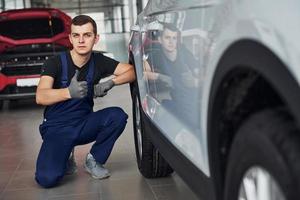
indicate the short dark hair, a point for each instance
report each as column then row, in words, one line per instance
column 170, row 26
column 84, row 19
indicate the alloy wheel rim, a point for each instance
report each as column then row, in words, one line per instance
column 259, row 184
column 138, row 127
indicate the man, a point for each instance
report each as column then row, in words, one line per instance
column 68, row 84
column 172, row 68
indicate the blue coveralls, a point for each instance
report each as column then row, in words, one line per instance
column 73, row 122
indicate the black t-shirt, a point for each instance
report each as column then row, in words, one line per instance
column 104, row 66
column 184, row 61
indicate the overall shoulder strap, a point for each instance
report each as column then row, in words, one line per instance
column 90, row 75
column 64, row 71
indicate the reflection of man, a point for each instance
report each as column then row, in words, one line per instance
column 168, row 40
column 174, row 66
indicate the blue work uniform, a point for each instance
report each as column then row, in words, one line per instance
column 73, row 122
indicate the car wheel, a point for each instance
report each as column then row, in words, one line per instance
column 150, row 162
column 1, row 104
column 264, row 159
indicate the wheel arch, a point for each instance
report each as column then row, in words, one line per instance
column 133, row 85
column 249, row 77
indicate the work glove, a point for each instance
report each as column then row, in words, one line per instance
column 77, row 89
column 166, row 79
column 101, row 89
column 189, row 80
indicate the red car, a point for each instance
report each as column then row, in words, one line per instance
column 28, row 37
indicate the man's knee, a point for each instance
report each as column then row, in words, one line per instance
column 47, row 181
column 119, row 116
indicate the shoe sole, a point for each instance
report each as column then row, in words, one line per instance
column 95, row 177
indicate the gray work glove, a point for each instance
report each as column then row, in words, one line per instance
column 77, row 89
column 166, row 79
column 101, row 89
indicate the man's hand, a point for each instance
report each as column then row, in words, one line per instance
column 166, row 79
column 77, row 89
column 101, row 89
column 189, row 80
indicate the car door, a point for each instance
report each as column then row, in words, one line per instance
column 175, row 79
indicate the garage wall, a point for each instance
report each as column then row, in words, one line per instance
column 113, row 17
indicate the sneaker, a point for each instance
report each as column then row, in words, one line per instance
column 96, row 170
column 71, row 165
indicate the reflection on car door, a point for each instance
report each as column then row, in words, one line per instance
column 174, row 73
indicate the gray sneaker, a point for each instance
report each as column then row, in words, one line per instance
column 96, row 170
column 71, row 165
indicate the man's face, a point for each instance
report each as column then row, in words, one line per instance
column 83, row 38
column 168, row 40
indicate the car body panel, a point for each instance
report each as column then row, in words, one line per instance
column 208, row 29
column 152, row 99
column 256, row 24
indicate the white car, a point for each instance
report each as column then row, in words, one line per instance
column 217, row 96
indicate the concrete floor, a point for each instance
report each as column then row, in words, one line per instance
column 20, row 142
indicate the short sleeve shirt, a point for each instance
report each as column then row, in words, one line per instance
column 104, row 66
column 161, row 64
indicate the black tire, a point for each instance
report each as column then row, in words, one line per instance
column 1, row 104
column 150, row 162
column 271, row 141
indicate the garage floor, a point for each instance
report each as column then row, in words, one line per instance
column 20, row 142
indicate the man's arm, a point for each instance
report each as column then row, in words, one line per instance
column 124, row 73
column 148, row 73
column 46, row 95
